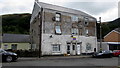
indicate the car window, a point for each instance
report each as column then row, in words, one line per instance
column 1, row 51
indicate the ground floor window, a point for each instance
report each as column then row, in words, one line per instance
column 114, row 46
column 88, row 46
column 56, row 47
column 5, row 47
column 14, row 46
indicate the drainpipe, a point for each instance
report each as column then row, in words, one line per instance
column 40, row 34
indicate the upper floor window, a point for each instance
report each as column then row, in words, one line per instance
column 86, row 32
column 58, row 17
column 74, row 18
column 74, row 31
column 58, row 30
column 86, row 22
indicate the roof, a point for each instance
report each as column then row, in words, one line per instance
column 63, row 9
column 16, row 38
column 117, row 30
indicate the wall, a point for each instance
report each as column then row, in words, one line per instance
column 23, row 46
column 104, row 46
column 62, row 40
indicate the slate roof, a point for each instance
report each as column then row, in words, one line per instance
column 16, row 38
column 117, row 29
column 63, row 9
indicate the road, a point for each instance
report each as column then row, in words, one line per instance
column 64, row 62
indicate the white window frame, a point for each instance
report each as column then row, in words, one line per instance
column 58, row 30
column 88, row 46
column 56, row 48
column 87, row 31
column 58, row 17
column 74, row 31
column 74, row 18
column 14, row 47
column 5, row 46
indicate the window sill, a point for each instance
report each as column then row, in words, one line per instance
column 56, row 51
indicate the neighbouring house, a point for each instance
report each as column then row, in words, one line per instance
column 16, row 42
column 56, row 30
column 113, row 39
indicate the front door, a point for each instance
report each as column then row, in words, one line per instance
column 68, row 49
column 78, row 49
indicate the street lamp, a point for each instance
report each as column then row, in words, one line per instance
column 100, row 34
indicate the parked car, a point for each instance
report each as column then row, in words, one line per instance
column 116, row 52
column 103, row 54
column 8, row 56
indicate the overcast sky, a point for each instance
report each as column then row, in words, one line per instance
column 106, row 9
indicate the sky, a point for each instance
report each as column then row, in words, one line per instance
column 106, row 9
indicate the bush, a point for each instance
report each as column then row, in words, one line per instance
column 26, row 53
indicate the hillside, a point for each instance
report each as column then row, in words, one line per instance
column 16, row 23
column 108, row 26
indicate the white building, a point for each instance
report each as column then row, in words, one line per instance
column 57, row 30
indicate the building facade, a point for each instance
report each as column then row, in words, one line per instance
column 57, row 30
column 15, row 42
column 113, row 39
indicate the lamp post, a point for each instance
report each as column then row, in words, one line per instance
column 100, row 35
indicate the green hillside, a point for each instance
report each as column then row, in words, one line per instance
column 108, row 26
column 16, row 23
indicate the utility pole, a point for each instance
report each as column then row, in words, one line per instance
column 40, row 31
column 100, row 35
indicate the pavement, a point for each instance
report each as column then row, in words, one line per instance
column 54, row 57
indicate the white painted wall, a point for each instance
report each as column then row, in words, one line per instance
column 62, row 39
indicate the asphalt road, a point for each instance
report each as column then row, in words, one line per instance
column 64, row 62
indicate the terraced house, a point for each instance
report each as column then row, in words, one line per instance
column 57, row 30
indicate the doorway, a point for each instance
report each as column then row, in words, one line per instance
column 68, row 49
column 78, row 50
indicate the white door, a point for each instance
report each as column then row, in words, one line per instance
column 78, row 49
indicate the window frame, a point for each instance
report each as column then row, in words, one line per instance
column 58, row 17
column 88, row 46
column 14, row 47
column 58, row 31
column 75, row 31
column 56, row 48
column 75, row 18
column 86, row 21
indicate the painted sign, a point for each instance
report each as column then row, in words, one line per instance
column 74, row 38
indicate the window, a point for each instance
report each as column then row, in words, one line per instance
column 14, row 46
column 86, row 21
column 56, row 47
column 74, row 18
column 58, row 17
column 58, row 30
column 5, row 47
column 74, row 31
column 86, row 32
column 88, row 46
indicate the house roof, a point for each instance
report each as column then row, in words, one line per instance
column 16, row 38
column 117, row 30
column 63, row 9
